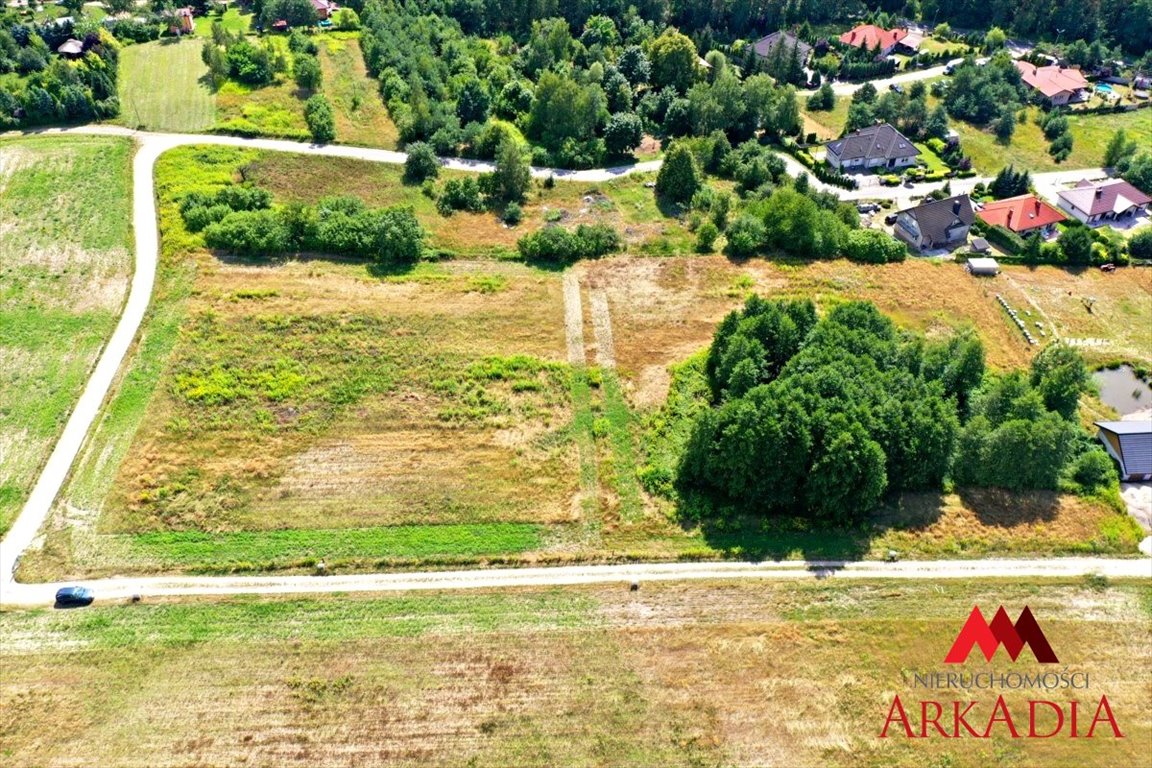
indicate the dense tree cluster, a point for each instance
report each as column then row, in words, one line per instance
column 824, row 418
column 989, row 94
column 242, row 220
column 581, row 91
column 1010, row 183
column 1135, row 167
column 39, row 86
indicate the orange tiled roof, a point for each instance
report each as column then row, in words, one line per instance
column 870, row 36
column 1020, row 214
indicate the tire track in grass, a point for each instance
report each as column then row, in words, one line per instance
column 617, row 414
column 582, row 416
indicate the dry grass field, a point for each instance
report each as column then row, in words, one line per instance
column 64, row 272
column 795, row 675
column 284, row 412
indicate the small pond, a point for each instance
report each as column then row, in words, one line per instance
column 1120, row 389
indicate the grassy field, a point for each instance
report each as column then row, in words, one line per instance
column 66, row 245
column 826, row 125
column 360, row 114
column 163, row 87
column 284, row 412
column 1029, row 149
column 757, row 673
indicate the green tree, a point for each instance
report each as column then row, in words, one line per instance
column 298, row 13
column 564, row 109
column 306, row 71
column 318, row 116
column 421, row 163
column 1076, row 245
column 674, row 61
column 824, row 99
column 623, row 133
column 994, row 39
column 1059, row 375
column 510, row 180
column 679, row 178
column 1120, row 147
column 1140, row 244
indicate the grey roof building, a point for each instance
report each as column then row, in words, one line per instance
column 1130, row 443
column 764, row 46
column 877, row 146
column 937, row 223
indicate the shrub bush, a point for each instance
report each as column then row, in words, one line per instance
column 557, row 245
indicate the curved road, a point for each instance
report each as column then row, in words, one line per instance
column 24, row 529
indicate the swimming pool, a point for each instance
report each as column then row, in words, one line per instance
column 1103, row 88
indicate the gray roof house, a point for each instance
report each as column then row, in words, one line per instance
column 764, row 46
column 1130, row 443
column 936, row 223
column 878, row 146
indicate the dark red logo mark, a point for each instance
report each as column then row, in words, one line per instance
column 1001, row 631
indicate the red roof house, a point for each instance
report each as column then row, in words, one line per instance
column 1023, row 215
column 1058, row 84
column 873, row 38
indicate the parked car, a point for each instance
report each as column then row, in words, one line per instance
column 950, row 67
column 74, row 597
column 867, row 207
column 896, row 88
column 890, row 219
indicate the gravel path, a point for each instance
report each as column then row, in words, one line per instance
column 602, row 325
column 573, row 318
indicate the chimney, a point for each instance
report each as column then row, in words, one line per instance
column 1010, row 212
column 1037, row 206
column 956, row 206
column 1099, row 193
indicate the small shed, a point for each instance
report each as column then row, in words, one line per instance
column 983, row 266
column 980, row 245
column 1130, row 443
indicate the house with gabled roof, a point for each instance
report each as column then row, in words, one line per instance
column 1099, row 202
column 936, row 224
column 786, row 41
column 1023, row 214
column 877, row 146
column 870, row 37
column 1058, row 85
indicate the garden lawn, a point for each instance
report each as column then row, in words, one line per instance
column 164, row 87
column 234, row 20
column 715, row 673
column 66, row 245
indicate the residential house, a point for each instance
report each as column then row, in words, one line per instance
column 786, row 41
column 936, row 224
column 1099, row 202
column 877, row 146
column 325, row 9
column 1024, row 215
column 870, row 37
column 1130, row 444
column 1059, row 85
column 182, row 22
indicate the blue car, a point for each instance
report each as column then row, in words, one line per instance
column 74, row 597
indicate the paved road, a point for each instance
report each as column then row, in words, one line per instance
column 24, row 529
column 114, row 589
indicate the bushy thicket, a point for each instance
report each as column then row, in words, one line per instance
column 242, row 220
column 556, row 245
